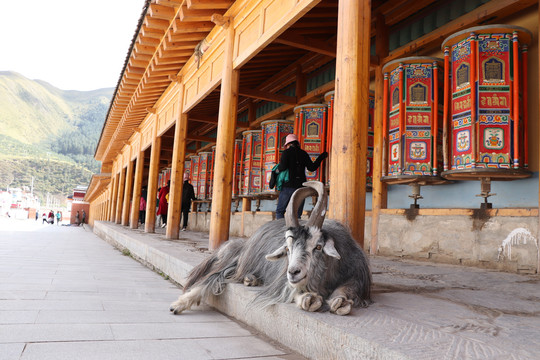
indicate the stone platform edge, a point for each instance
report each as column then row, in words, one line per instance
column 312, row 335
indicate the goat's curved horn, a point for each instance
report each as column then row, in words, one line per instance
column 319, row 210
column 291, row 219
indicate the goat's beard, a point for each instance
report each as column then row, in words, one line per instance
column 299, row 285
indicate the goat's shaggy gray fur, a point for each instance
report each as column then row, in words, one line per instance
column 325, row 268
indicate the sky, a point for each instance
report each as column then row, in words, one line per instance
column 71, row 44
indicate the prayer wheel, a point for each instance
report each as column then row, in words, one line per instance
column 274, row 133
column 166, row 176
column 211, row 164
column 237, row 168
column 412, row 121
column 310, row 125
column 187, row 167
column 485, row 112
column 205, row 163
column 251, row 165
column 329, row 99
column 195, row 173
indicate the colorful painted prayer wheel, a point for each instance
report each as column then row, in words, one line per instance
column 251, row 166
column 195, row 173
column 310, row 124
column 187, row 167
column 166, row 176
column 412, row 121
column 329, row 99
column 274, row 133
column 485, row 111
column 211, row 164
column 205, row 164
column 237, row 174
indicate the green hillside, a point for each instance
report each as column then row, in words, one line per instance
column 48, row 134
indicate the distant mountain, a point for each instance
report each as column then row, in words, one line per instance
column 41, row 124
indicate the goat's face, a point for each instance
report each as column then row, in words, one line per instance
column 305, row 249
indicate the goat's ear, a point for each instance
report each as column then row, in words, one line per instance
column 330, row 250
column 279, row 253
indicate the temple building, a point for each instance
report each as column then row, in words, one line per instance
column 428, row 110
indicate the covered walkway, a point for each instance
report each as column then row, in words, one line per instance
column 421, row 310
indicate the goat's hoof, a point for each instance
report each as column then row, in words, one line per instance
column 311, row 302
column 340, row 305
column 177, row 307
column 251, row 280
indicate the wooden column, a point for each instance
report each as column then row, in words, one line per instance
column 120, row 196
column 222, row 187
column 112, row 205
column 379, row 191
column 109, row 197
column 150, row 220
column 177, row 172
column 139, row 167
column 349, row 147
column 127, row 192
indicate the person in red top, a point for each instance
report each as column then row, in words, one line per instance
column 142, row 206
column 163, row 204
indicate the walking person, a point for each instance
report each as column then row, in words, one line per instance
column 44, row 217
column 188, row 194
column 58, row 217
column 83, row 217
column 295, row 160
column 142, row 206
column 78, row 218
column 51, row 217
column 163, row 205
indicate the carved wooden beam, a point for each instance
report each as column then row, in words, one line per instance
column 221, row 20
column 209, row 4
column 161, row 12
column 200, row 138
column 195, row 15
column 307, row 43
column 203, row 119
column 264, row 95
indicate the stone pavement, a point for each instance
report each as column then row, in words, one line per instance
column 421, row 310
column 66, row 294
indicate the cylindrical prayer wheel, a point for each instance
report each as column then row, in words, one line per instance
column 274, row 133
column 251, row 166
column 412, row 121
column 167, row 176
column 310, row 125
column 205, row 163
column 187, row 167
column 237, row 171
column 485, row 121
column 329, row 99
column 211, row 165
column 195, row 173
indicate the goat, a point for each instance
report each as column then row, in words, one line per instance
column 326, row 269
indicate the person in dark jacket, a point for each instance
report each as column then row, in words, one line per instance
column 296, row 161
column 188, row 194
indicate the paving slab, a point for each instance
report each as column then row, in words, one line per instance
column 67, row 294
